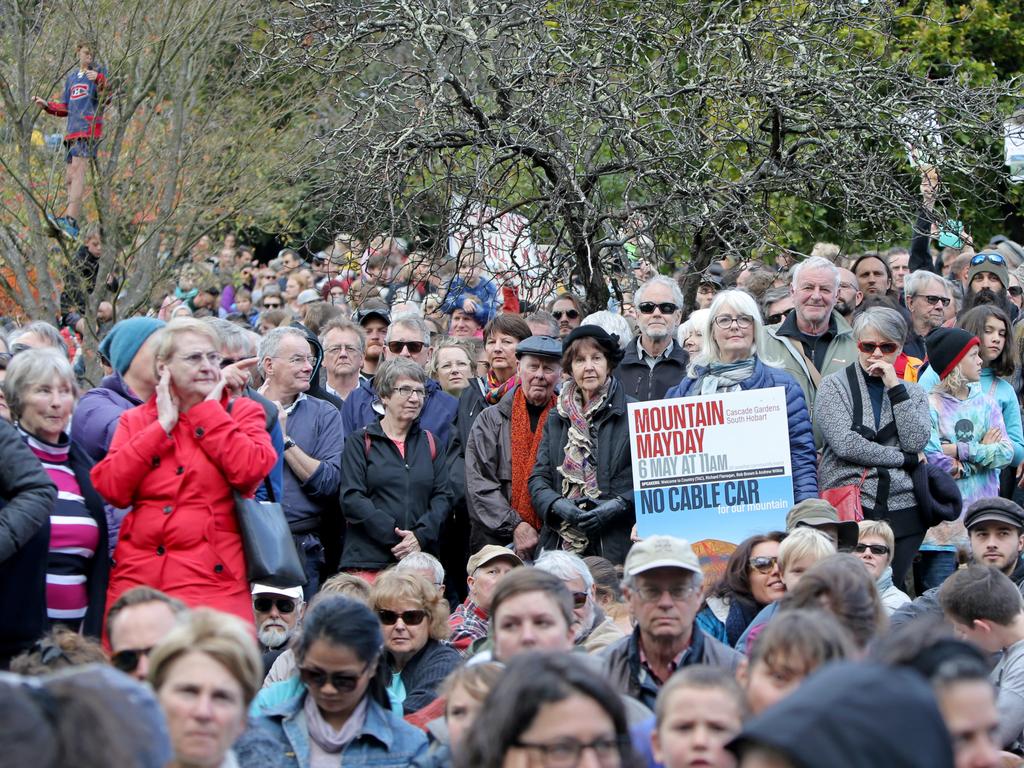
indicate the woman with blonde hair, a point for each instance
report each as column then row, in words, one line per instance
column 178, row 460
column 875, row 548
column 414, row 617
column 205, row 674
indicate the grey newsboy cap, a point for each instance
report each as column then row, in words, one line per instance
column 997, row 509
column 540, row 346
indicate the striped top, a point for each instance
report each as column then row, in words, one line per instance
column 74, row 535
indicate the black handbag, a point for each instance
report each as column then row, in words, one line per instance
column 270, row 554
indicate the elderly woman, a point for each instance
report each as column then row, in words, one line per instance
column 178, row 460
column 729, row 362
column 451, row 366
column 338, row 704
column 205, row 674
column 874, row 428
column 41, row 392
column 690, row 334
column 414, row 616
column 394, row 488
column 582, row 483
column 875, row 548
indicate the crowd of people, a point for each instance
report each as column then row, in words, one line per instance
column 453, row 464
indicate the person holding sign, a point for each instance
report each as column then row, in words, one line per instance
column 582, row 482
column 729, row 361
column 874, row 427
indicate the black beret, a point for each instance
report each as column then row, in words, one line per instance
column 609, row 342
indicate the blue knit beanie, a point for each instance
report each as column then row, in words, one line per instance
column 122, row 343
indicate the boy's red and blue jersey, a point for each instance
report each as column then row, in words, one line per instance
column 81, row 103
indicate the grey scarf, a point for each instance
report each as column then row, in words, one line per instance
column 726, row 377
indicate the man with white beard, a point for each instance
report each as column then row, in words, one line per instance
column 278, row 614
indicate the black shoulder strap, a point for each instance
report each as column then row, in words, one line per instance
column 858, row 404
column 266, row 478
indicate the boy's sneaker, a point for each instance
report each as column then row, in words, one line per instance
column 64, row 224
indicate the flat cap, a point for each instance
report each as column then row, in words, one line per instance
column 540, row 346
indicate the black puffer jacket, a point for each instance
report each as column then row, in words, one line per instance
column 614, row 475
column 381, row 491
column 26, row 497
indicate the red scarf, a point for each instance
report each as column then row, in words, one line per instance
column 524, row 454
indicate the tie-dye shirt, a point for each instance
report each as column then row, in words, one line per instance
column 964, row 423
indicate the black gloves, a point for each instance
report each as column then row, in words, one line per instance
column 591, row 520
column 566, row 510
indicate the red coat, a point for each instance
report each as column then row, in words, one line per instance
column 181, row 535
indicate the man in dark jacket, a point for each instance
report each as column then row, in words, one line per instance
column 662, row 585
column 407, row 336
column 26, row 497
column 497, row 474
column 996, row 530
column 654, row 361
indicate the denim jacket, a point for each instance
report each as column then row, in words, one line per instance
column 386, row 741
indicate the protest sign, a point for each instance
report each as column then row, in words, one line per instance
column 712, row 467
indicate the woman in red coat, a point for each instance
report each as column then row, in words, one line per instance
column 176, row 460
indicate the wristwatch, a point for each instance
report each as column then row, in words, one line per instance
column 289, row 443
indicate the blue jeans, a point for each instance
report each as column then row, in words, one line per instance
column 933, row 568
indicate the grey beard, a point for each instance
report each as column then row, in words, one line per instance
column 273, row 636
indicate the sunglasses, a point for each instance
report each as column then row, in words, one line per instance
column 763, row 564
column 648, row 307
column 776, row 318
column 572, row 314
column 876, row 549
column 981, row 258
column 343, row 682
column 271, row 305
column 264, row 604
column 128, row 659
column 411, row 618
column 1015, row 290
column 869, row 347
column 579, row 599
column 414, row 347
column 933, row 300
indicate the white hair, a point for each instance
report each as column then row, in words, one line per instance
column 698, row 319
column 814, row 262
column 613, row 324
column 739, row 301
column 668, row 282
column 422, row 561
column 565, row 565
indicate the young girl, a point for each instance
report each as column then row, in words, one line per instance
column 698, row 711
column 968, row 440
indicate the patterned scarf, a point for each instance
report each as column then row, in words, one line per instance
column 524, row 454
column 579, row 468
column 726, row 377
column 498, row 389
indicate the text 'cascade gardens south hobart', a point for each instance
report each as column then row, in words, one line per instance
column 712, row 467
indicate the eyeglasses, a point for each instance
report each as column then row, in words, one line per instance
column 408, row 392
column 414, row 347
column 264, row 604
column 876, row 549
column 299, row 359
column 665, row 307
column 128, row 659
column 338, row 348
column 579, row 599
column 763, row 564
column 726, row 321
column 450, row 364
column 412, row 618
column 650, row 594
column 196, row 358
column 994, row 258
column 271, row 305
column 933, row 300
column 885, row 347
column 567, row 753
column 572, row 314
column 343, row 682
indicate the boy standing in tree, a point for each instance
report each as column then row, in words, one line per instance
column 81, row 104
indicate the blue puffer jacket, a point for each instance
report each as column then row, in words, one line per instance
column 801, row 439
